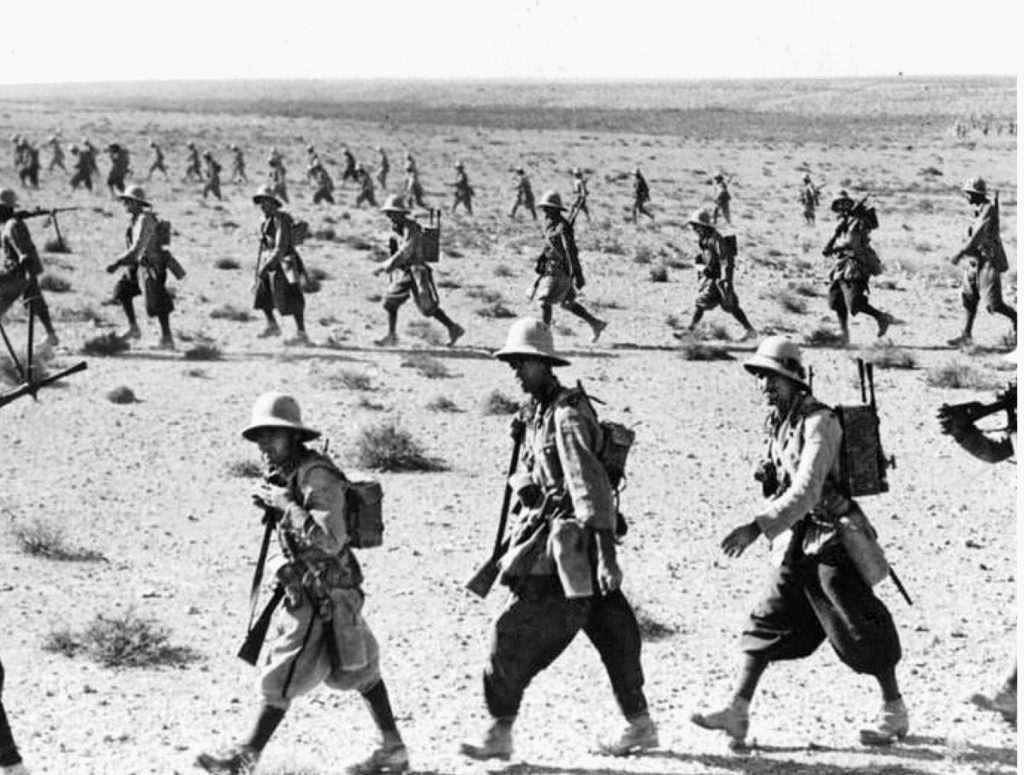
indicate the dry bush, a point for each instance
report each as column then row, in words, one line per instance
column 643, row 255
column 365, row 402
column 388, row 447
column 887, row 284
column 498, row 403
column 706, row 331
column 128, row 640
column 650, row 628
column 54, row 283
column 809, row 290
column 959, row 374
column 44, row 537
column 350, row 379
column 105, row 345
column 442, row 404
column 226, row 263
column 823, row 336
column 483, row 294
column 428, row 366
column 54, row 245
column 85, row 313
column 316, row 273
column 122, row 395
column 888, row 356
column 788, row 300
column 659, row 274
column 230, row 312
column 501, row 270
column 447, row 282
column 356, row 243
column 605, row 304
column 204, row 351
column 422, row 329
column 325, row 235
column 495, row 310
column 699, row 351
column 244, row 469
column 310, row 284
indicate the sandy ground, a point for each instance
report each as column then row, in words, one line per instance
column 148, row 485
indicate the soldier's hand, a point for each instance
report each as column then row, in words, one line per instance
column 739, row 539
column 111, row 268
column 271, row 496
column 959, row 417
column 609, row 575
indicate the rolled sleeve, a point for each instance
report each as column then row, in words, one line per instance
column 585, row 478
column 320, row 519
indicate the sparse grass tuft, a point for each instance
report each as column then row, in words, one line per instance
column 105, row 345
column 428, row 366
column 495, row 310
column 122, row 395
column 659, row 274
column 128, row 640
column 788, row 300
column 442, row 404
column 483, row 294
column 498, row 403
column 650, row 628
column 888, row 356
column 388, row 447
column 823, row 336
column 958, row 375
column 643, row 255
column 44, row 537
column 54, row 283
column 350, row 379
column 244, row 469
column 501, row 270
column 706, row 331
column 226, row 263
column 422, row 329
column 805, row 289
column 204, row 351
column 230, row 312
column 699, row 351
column 54, row 245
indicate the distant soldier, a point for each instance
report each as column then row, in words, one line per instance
column 92, row 154
column 119, row 164
column 641, row 195
column 146, row 259
column 856, row 263
column 312, row 161
column 580, row 192
column 366, row 192
column 238, row 165
column 324, row 183
column 349, row 171
column 21, row 266
column 16, row 145
column 810, row 198
column 211, row 174
column 277, row 176
column 57, row 154
column 83, row 169
column 410, row 163
column 194, row 170
column 717, row 262
column 383, row 167
column 409, row 274
column 463, row 190
column 413, row 187
column 280, row 269
column 276, row 156
column 158, row 163
column 986, row 262
column 524, row 194
column 28, row 167
column 560, row 276
column 722, row 198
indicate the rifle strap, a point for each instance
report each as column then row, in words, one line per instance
column 261, row 561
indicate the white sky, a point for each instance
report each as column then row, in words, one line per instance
column 116, row 40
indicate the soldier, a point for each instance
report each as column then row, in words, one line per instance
column 413, row 187
column 21, row 268
column 641, row 195
column 558, row 266
column 817, row 593
column 57, row 157
column 238, row 165
column 277, row 176
column 91, row 153
column 28, row 166
column 349, row 172
column 856, row 263
column 580, row 192
column 83, row 169
column 146, row 253
column 810, row 198
column 324, row 183
column 366, row 192
column 158, row 162
column 722, row 198
column 524, row 194
column 409, row 274
column 959, row 421
column 561, row 566
column 383, row 167
column 119, row 163
column 410, row 163
column 323, row 636
column 986, row 262
column 10, row 758
column 16, row 144
column 463, row 191
column 312, row 161
column 211, row 172
column 715, row 275
column 194, row 169
column 278, row 276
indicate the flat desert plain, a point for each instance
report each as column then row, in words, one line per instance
column 150, row 499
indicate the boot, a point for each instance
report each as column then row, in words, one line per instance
column 301, row 339
column 14, row 769
column 390, row 759
column 1003, row 702
column 733, row 719
column 166, row 342
column 497, row 744
column 388, row 341
column 639, row 735
column 239, row 760
column 891, row 724
column 748, row 334
column 133, row 332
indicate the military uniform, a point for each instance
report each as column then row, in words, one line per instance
column 238, row 166
column 28, row 165
column 324, row 184
column 641, row 196
column 194, row 169
column 856, row 262
column 57, row 157
column 278, row 178
column 211, row 172
column 722, row 200
column 349, row 171
column 83, row 169
column 119, row 164
column 366, row 192
column 463, row 191
column 580, row 194
column 810, row 198
column 524, row 195
column 413, row 187
column 715, row 275
column 383, row 168
column 278, row 287
column 158, row 163
column 10, row 757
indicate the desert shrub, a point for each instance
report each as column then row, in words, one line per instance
column 605, row 304
column 501, row 270
column 809, row 290
column 650, row 628
column 643, row 255
column 422, row 329
column 54, row 283
column 196, row 373
column 85, row 313
column 365, row 402
column 788, row 300
column 374, row 298
column 659, row 274
column 677, row 262
column 442, row 404
column 699, row 351
column 888, row 356
column 388, row 447
column 707, row 331
column 244, row 469
column 356, row 243
column 887, row 284
column 495, row 310
column 958, row 374
column 230, row 312
column 54, row 245
column 122, row 395
column 316, row 273
column 350, row 379
column 483, row 294
column 447, row 282
column 325, row 235
column 105, row 345
column 823, row 336
column 204, row 351
column 310, row 284
column 428, row 366
column 45, row 537
column 498, row 403
column 226, row 263
column 128, row 640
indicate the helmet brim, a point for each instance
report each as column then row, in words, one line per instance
column 251, row 432
column 508, row 353
column 760, row 364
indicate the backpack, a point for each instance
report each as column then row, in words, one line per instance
column 364, row 513
column 300, row 232
column 163, row 232
column 430, row 239
column 862, row 462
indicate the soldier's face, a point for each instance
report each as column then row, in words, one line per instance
column 778, row 391
column 276, row 445
column 531, row 374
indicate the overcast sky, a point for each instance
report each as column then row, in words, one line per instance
column 187, row 39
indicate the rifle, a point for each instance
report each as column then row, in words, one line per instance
column 844, row 225
column 52, row 213
column 256, row 632
column 973, row 411
column 575, row 268
column 482, row 581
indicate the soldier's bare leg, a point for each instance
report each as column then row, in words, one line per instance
column 597, row 326
column 392, row 336
column 272, row 329
column 133, row 331
column 455, row 331
column 748, row 330
column 698, row 313
column 166, row 337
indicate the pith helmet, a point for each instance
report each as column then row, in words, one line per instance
column 394, row 204
column 807, row 177
column 577, row 171
column 841, row 202
column 310, row 148
column 636, row 170
column 8, row 198
column 152, row 143
column 976, row 186
column 701, row 217
column 458, row 165
column 207, row 155
column 265, row 193
column 551, row 201
column 136, row 194
column 530, row 338
column 190, row 144
column 277, row 410
column 520, row 171
column 778, row 355
column 719, row 177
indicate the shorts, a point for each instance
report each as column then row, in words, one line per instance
column 849, row 296
column 416, row 281
column 275, row 292
column 556, row 289
column 982, row 284
column 709, row 295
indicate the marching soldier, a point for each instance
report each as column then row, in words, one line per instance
column 323, row 635
column 119, row 164
column 580, row 192
column 146, row 256
column 349, row 171
column 561, row 566
column 409, row 274
column 312, row 161
column 856, row 263
column 83, row 169
column 366, row 192
column 91, row 153
column 278, row 276
column 810, row 198
column 57, row 154
column 28, row 164
column 986, row 262
column 524, row 194
column 722, row 198
column 641, row 195
column 463, row 191
column 21, row 268
column 324, row 183
column 10, row 757
column 715, row 276
column 158, row 163
column 194, row 169
column 238, row 165
column 817, row 593
column 211, row 172
column 560, row 274
column 383, row 167
column 277, row 176
column 413, row 187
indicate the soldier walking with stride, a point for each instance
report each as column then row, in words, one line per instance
column 524, row 194
column 810, row 198
column 641, row 195
column 279, row 269
column 463, row 190
column 21, row 267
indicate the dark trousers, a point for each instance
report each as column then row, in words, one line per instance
column 539, row 623
column 817, row 598
column 8, row 750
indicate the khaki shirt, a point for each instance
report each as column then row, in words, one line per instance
column 559, row 248
column 983, row 242
column 408, row 252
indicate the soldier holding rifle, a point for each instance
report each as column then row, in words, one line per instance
column 524, row 194
column 278, row 274
column 19, row 273
column 561, row 566
column 324, row 637
column 817, row 592
column 580, row 192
